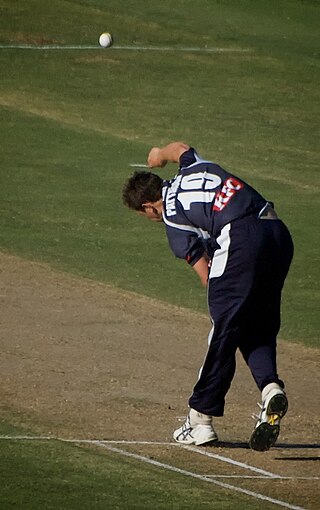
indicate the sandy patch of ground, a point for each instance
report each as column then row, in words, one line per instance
column 82, row 359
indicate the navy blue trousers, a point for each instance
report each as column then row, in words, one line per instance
column 247, row 274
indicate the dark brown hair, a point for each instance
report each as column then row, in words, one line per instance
column 141, row 187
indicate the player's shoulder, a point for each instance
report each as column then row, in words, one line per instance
column 187, row 158
column 190, row 161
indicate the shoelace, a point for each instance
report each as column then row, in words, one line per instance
column 272, row 419
column 185, row 430
column 259, row 416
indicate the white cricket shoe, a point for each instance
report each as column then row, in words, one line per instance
column 197, row 430
column 273, row 408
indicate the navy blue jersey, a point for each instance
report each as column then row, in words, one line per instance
column 199, row 201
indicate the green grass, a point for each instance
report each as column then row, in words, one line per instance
column 72, row 121
column 55, row 475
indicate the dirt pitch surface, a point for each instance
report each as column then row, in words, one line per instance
column 83, row 360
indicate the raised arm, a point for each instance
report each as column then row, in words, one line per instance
column 158, row 157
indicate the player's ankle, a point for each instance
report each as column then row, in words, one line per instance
column 270, row 387
column 197, row 418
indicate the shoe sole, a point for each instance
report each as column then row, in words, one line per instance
column 197, row 439
column 197, row 443
column 263, row 437
column 208, row 441
column 266, row 434
column 278, row 405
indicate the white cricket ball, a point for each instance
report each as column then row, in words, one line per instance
column 105, row 40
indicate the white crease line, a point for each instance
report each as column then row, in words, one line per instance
column 172, row 48
column 107, row 441
column 138, row 165
column 90, row 441
column 131, row 48
column 230, row 461
column 209, row 478
column 30, row 438
column 257, row 477
column 204, row 478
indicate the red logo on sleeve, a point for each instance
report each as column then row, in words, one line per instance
column 230, row 187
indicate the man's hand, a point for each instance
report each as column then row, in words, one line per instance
column 159, row 157
column 155, row 158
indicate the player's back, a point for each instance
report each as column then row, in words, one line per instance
column 205, row 196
